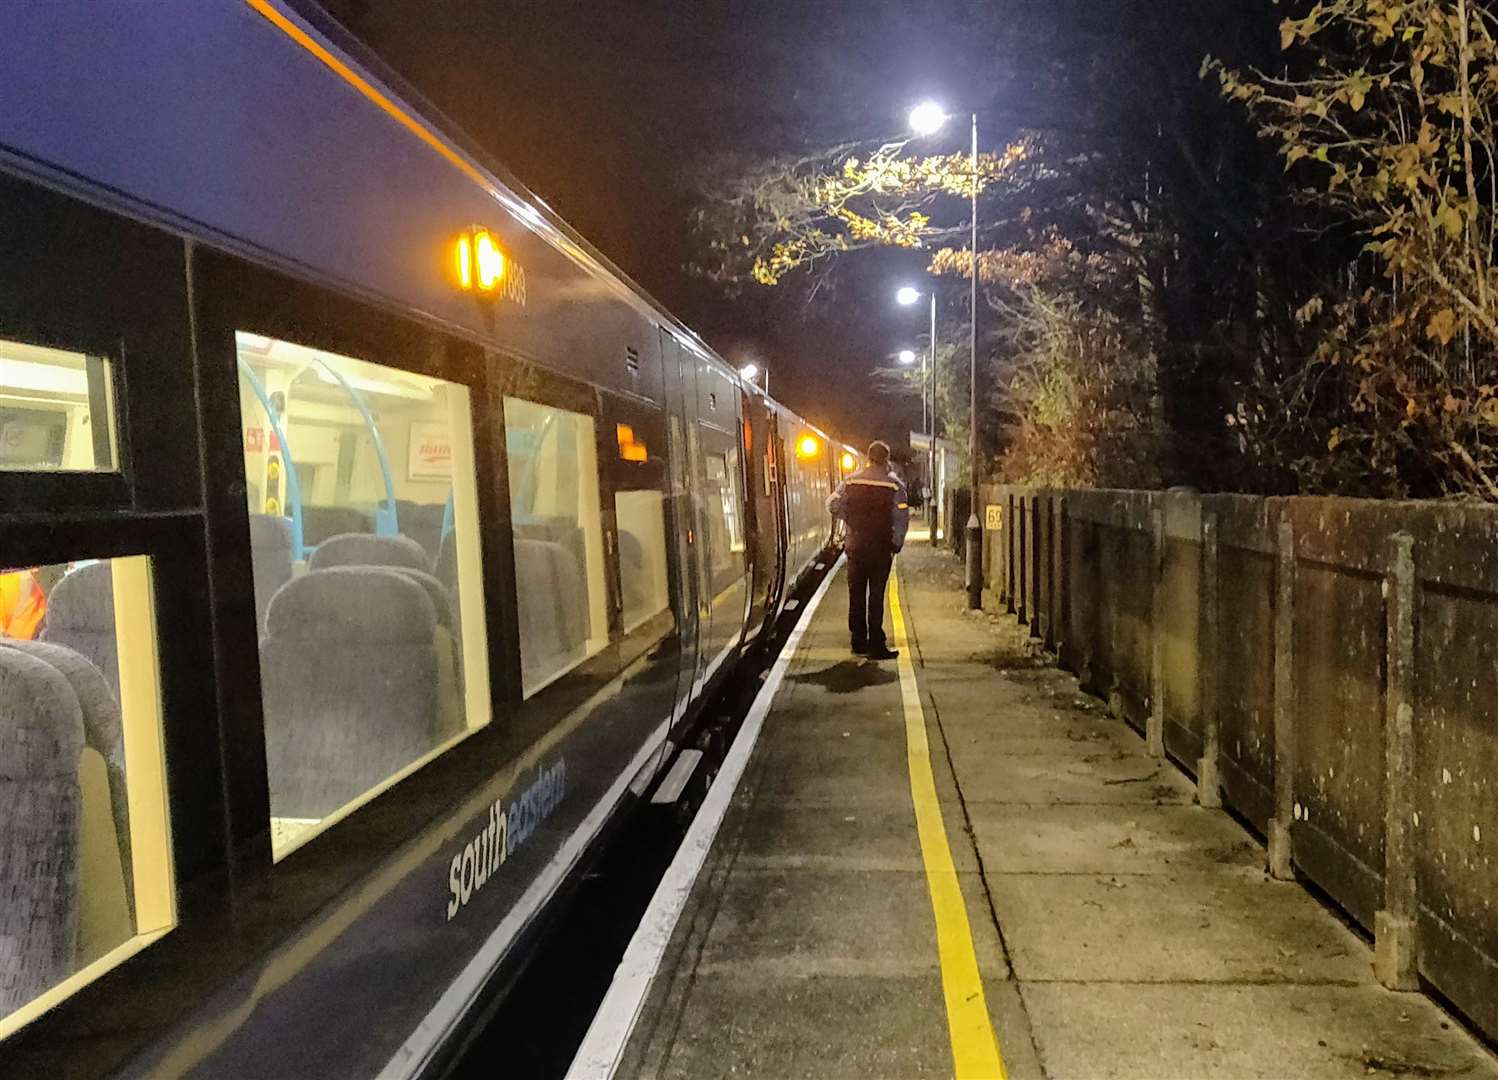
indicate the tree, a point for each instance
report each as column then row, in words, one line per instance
column 1385, row 119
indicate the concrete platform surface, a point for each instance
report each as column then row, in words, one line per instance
column 1120, row 931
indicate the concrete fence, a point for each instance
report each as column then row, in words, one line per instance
column 1327, row 668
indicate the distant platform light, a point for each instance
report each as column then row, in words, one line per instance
column 480, row 262
column 907, row 356
column 808, row 447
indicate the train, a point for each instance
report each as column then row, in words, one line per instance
column 371, row 545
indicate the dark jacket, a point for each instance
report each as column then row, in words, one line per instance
column 876, row 509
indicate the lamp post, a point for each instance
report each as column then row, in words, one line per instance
column 907, row 296
column 927, row 119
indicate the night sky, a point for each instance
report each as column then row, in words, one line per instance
column 609, row 111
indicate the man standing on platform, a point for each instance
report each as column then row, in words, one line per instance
column 876, row 509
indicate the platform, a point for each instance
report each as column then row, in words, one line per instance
column 1112, row 928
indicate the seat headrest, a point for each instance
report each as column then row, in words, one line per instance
column 442, row 601
column 352, row 603
column 101, row 712
column 366, row 549
column 83, row 599
column 41, row 723
column 269, row 532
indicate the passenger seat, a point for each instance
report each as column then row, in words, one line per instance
column 270, row 552
column 40, row 827
column 349, row 670
column 80, row 615
column 367, row 549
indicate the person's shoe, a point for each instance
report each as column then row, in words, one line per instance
column 860, row 648
column 881, row 652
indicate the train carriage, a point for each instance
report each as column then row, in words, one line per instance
column 371, row 544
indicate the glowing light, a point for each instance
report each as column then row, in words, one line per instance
column 927, row 118
column 848, row 462
column 749, row 371
column 907, row 295
column 907, row 356
column 808, row 447
column 630, row 448
column 488, row 259
column 465, row 262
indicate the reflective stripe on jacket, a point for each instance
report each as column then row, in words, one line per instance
column 876, row 509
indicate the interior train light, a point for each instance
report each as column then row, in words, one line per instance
column 630, row 448
column 480, row 262
column 808, row 447
column 848, row 462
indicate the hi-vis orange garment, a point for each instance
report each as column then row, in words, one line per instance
column 22, row 604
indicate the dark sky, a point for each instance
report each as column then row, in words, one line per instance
column 607, row 110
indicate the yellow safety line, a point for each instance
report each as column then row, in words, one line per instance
column 975, row 1046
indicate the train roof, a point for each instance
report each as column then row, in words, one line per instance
column 212, row 116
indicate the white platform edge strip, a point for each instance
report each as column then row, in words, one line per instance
column 599, row 1055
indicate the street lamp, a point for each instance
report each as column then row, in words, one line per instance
column 751, row 372
column 907, row 357
column 906, row 296
column 927, row 119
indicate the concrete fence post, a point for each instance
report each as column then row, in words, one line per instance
column 1396, row 955
column 1011, row 527
column 1280, row 849
column 1062, row 575
column 1051, row 565
column 1037, row 599
column 1154, row 729
column 1209, row 656
column 1022, row 563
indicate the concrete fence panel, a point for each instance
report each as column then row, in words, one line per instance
column 1331, row 663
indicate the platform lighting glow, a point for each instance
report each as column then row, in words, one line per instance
column 848, row 462
column 908, row 295
column 927, row 118
column 907, row 356
column 750, row 371
column 808, row 447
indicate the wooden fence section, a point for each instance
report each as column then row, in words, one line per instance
column 1328, row 668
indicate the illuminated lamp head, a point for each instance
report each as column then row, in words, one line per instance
column 849, row 462
column 808, row 447
column 480, row 262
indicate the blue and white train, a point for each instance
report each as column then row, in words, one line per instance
column 370, row 544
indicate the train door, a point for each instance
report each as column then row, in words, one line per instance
column 723, row 543
column 764, row 528
column 681, row 388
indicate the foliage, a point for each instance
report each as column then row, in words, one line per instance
column 1385, row 122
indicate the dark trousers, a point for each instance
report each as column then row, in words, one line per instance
column 868, row 573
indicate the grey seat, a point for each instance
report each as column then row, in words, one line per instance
column 367, row 549
column 350, row 675
column 270, row 553
column 552, row 600
column 422, row 522
column 80, row 615
column 103, row 729
column 41, row 741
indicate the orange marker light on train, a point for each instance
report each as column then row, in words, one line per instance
column 465, row 262
column 808, row 447
column 488, row 259
column 848, row 462
column 480, row 262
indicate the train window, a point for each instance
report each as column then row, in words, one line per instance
column 640, row 515
column 85, row 851
column 56, row 410
column 364, row 539
column 559, row 569
column 725, row 529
